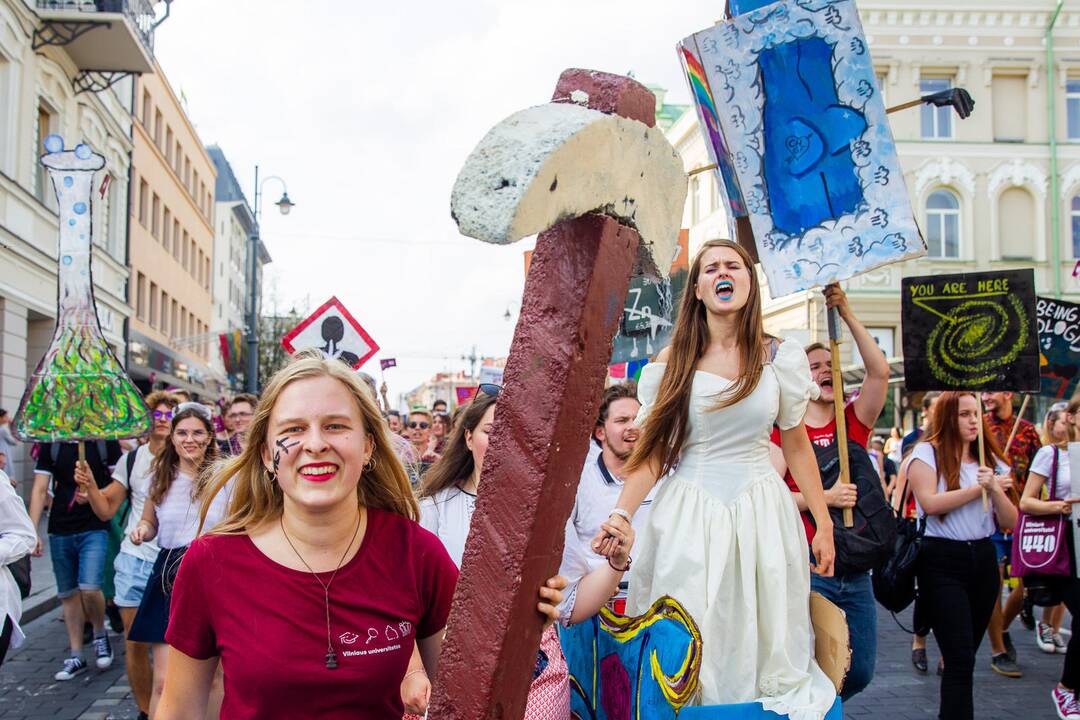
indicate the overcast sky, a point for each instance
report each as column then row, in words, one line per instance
column 368, row 113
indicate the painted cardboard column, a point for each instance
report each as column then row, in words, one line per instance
column 544, row 417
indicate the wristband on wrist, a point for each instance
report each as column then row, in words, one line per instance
column 621, row 513
column 413, row 672
column 629, row 561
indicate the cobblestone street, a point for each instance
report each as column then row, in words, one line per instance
column 27, row 688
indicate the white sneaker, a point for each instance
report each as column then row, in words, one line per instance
column 1060, row 646
column 72, row 667
column 1065, row 704
column 103, row 653
column 1044, row 638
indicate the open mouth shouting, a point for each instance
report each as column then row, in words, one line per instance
column 320, row 472
column 725, row 289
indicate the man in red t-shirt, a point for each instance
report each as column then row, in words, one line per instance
column 852, row 593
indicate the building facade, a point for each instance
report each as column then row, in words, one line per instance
column 65, row 72
column 172, row 246
column 990, row 192
column 234, row 225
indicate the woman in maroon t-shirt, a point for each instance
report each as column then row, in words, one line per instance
column 318, row 583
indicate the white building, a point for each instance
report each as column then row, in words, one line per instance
column 235, row 224
column 65, row 68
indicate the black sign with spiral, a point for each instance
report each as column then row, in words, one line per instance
column 971, row 331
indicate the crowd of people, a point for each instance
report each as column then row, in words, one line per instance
column 303, row 554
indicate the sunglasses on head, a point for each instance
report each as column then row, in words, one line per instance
column 197, row 408
column 490, row 389
column 422, row 425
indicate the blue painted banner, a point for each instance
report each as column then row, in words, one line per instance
column 804, row 124
column 1059, row 347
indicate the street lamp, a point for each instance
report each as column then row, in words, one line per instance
column 251, row 380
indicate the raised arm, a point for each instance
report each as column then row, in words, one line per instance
column 875, row 386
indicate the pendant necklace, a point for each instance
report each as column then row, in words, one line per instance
column 331, row 656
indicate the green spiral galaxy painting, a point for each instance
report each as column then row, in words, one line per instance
column 79, row 390
column 971, row 331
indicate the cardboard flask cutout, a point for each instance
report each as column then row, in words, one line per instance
column 971, row 331
column 79, row 390
column 333, row 330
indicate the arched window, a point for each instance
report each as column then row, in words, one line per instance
column 1075, row 215
column 943, row 224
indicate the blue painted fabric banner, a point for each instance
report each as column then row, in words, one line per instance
column 803, row 121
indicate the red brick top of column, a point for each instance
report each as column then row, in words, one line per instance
column 608, row 93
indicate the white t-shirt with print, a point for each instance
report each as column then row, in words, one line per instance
column 967, row 522
column 138, row 487
column 1043, row 464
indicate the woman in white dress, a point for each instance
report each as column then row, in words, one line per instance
column 724, row 537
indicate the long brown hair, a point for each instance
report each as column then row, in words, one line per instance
column 167, row 460
column 257, row 498
column 944, row 435
column 664, row 432
column 456, row 464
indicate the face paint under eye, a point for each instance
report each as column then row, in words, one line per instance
column 284, row 446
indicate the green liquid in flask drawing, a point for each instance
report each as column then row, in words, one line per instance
column 79, row 390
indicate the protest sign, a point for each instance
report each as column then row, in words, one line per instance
column 333, row 330
column 1059, row 347
column 788, row 91
column 971, row 331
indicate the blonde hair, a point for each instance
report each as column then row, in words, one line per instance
column 257, row 497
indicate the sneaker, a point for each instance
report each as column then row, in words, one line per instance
column 1002, row 665
column 1010, row 649
column 1065, row 704
column 1044, row 638
column 72, row 667
column 103, row 653
column 1060, row 646
column 1027, row 614
column 918, row 659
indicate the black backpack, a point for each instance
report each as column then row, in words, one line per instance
column 869, row 542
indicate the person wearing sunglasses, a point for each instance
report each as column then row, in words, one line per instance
column 418, row 432
column 170, row 514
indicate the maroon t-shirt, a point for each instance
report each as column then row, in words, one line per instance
column 267, row 622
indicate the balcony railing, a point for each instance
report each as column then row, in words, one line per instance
column 139, row 12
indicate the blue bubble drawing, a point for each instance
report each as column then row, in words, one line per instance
column 66, row 259
column 79, row 208
column 68, row 181
column 83, row 151
column 54, row 143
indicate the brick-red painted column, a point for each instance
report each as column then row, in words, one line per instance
column 544, row 417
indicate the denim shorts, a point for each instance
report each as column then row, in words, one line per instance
column 1002, row 546
column 132, row 574
column 79, row 561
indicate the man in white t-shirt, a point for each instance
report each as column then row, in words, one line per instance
column 614, row 438
column 134, row 562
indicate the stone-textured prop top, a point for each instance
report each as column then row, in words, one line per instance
column 553, row 162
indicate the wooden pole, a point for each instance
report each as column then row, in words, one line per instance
column 838, row 405
column 703, row 168
column 904, row 106
column 982, row 452
column 82, row 451
column 1016, row 425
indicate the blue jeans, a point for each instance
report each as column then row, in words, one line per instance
column 78, row 561
column 854, row 594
